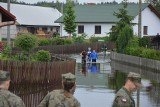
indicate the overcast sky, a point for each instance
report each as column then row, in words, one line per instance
column 80, row 1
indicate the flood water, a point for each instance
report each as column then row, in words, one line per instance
column 98, row 83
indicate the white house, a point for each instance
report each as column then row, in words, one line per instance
column 34, row 19
column 99, row 19
column 6, row 19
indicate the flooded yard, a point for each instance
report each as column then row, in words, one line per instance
column 98, row 83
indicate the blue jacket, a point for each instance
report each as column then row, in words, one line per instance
column 94, row 55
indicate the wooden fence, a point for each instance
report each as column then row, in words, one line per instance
column 75, row 48
column 72, row 48
column 32, row 80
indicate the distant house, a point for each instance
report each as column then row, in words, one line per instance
column 99, row 19
column 32, row 19
column 6, row 19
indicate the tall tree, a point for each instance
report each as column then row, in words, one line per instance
column 69, row 19
column 124, row 19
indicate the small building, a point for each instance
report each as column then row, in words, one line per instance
column 33, row 19
column 6, row 19
column 98, row 20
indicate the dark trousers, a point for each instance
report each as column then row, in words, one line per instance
column 93, row 60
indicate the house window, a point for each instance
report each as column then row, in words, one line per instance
column 97, row 29
column 145, row 30
column 80, row 29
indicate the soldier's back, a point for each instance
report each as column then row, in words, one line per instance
column 8, row 99
column 56, row 98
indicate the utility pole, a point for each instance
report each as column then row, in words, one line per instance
column 140, row 19
column 8, row 27
column 61, row 24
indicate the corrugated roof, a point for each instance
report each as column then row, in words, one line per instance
column 34, row 15
column 101, row 13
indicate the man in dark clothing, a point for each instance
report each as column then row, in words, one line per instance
column 84, row 55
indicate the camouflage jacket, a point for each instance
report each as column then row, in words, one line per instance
column 8, row 99
column 123, row 99
column 56, row 98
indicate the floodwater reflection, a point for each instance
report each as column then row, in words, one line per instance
column 97, row 84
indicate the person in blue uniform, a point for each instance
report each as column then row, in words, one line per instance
column 94, row 56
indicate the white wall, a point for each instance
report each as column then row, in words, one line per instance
column 148, row 19
column 13, row 31
column 89, row 29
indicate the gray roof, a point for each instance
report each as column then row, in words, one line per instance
column 101, row 13
column 34, row 15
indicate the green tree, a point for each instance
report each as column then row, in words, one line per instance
column 124, row 37
column 26, row 42
column 122, row 14
column 69, row 19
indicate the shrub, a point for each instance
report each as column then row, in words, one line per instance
column 149, row 53
column 144, row 42
column 43, row 42
column 134, row 42
column 57, row 41
column 26, row 42
column 6, row 51
column 68, row 41
column 93, row 39
column 43, row 56
column 135, row 51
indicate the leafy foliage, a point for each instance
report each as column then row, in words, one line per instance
column 43, row 56
column 43, row 42
column 125, row 19
column 6, row 52
column 134, row 42
column 69, row 19
column 144, row 42
column 57, row 41
column 26, row 42
column 123, row 39
column 79, row 38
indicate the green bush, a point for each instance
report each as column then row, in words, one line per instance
column 43, row 56
column 78, row 38
column 145, row 42
column 57, row 41
column 149, row 53
column 6, row 51
column 43, row 42
column 26, row 42
column 134, row 42
column 68, row 41
column 135, row 51
column 143, row 52
column 93, row 39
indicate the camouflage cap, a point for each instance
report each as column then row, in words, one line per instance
column 136, row 78
column 68, row 77
column 4, row 75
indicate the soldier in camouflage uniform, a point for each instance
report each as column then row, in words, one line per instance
column 123, row 97
column 63, row 97
column 8, row 99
